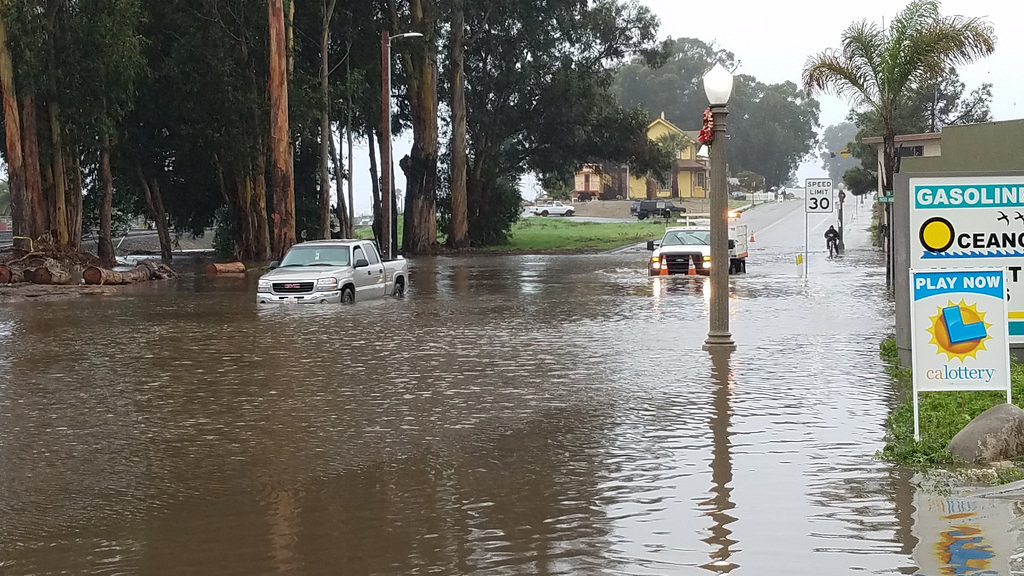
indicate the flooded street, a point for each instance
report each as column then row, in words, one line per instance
column 512, row 415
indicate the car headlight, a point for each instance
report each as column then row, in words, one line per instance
column 327, row 285
column 655, row 262
column 264, row 286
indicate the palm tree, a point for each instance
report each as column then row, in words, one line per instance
column 880, row 68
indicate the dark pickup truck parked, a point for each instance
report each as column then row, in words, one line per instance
column 645, row 209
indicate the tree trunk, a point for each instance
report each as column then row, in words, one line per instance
column 105, row 249
column 372, row 140
column 51, row 275
column 350, row 231
column 890, row 165
column 10, row 275
column 33, row 175
column 97, row 276
column 281, row 183
column 62, row 224
column 155, row 206
column 75, row 202
column 46, row 168
column 344, row 222
column 21, row 213
column 143, row 272
column 59, row 177
column 458, row 232
column 420, row 234
column 215, row 268
column 258, row 209
column 326, row 134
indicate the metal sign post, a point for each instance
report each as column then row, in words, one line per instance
column 817, row 200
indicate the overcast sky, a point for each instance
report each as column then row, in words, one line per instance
column 772, row 41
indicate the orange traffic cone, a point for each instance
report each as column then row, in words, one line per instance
column 664, row 267
column 751, row 236
column 692, row 270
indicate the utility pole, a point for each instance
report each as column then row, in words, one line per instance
column 385, row 145
column 842, row 245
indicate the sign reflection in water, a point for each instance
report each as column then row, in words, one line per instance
column 964, row 536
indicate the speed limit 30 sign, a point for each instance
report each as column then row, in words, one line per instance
column 818, row 196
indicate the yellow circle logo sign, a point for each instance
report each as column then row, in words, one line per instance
column 936, row 234
column 955, row 347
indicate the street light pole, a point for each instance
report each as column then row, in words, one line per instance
column 385, row 153
column 718, row 87
column 386, row 171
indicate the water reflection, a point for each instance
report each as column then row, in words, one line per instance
column 961, row 534
column 719, row 506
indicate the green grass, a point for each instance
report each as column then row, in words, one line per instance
column 942, row 415
column 566, row 234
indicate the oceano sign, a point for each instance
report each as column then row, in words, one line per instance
column 970, row 196
column 962, row 222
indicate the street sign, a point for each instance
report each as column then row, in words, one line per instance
column 818, row 196
column 963, row 222
column 844, row 152
column 885, row 199
column 958, row 331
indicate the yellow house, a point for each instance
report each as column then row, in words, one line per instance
column 689, row 172
column 688, row 179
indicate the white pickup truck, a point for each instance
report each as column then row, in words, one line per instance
column 555, row 208
column 690, row 246
column 332, row 271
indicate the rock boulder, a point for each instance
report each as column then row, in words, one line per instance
column 996, row 434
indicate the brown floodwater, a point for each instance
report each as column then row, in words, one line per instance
column 511, row 415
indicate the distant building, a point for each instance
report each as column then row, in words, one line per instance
column 688, row 179
column 910, row 146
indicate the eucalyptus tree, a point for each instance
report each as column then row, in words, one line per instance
column 538, row 97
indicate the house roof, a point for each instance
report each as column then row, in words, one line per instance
column 691, row 134
column 900, row 138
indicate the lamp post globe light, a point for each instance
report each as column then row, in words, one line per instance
column 387, row 172
column 718, row 87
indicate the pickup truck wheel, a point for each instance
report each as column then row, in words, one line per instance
column 568, row 212
column 348, row 296
column 544, row 213
column 399, row 290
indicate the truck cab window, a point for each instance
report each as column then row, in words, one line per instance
column 357, row 255
column 371, row 257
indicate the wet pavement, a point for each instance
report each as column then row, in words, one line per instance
column 512, row 415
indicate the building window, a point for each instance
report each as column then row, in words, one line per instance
column 663, row 184
column 702, row 180
column 911, row 151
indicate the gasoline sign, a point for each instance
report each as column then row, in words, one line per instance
column 961, row 222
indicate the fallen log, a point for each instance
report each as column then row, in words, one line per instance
column 225, row 268
column 10, row 275
column 159, row 270
column 51, row 275
column 102, row 276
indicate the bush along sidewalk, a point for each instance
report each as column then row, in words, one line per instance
column 942, row 415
